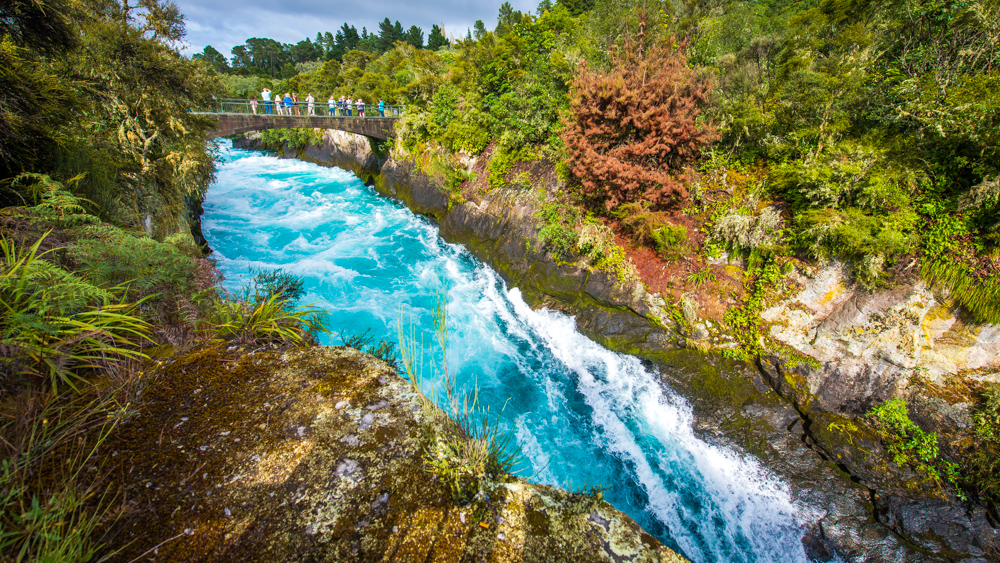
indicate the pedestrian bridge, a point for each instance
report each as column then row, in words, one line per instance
column 238, row 116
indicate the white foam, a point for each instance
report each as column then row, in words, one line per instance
column 747, row 497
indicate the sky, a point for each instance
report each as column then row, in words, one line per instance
column 224, row 24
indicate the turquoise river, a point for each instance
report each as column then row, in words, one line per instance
column 580, row 414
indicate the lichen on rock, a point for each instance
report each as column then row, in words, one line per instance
column 318, row 454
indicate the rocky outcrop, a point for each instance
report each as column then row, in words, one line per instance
column 872, row 345
column 788, row 411
column 319, row 455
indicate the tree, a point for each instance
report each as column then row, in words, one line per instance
column 577, row 7
column 543, row 6
column 305, row 51
column 634, row 129
column 34, row 102
column 507, row 18
column 346, row 40
column 479, row 29
column 213, row 57
column 415, row 37
column 388, row 34
column 329, row 45
column 436, row 39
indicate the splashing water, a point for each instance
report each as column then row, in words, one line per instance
column 582, row 415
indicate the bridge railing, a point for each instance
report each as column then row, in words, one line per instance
column 319, row 108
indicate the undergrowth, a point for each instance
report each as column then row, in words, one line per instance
column 744, row 321
column 983, row 465
column 910, row 446
column 567, row 232
column 384, row 350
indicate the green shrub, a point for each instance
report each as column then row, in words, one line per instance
column 503, row 161
column 558, row 232
column 870, row 242
column 107, row 255
column 740, row 231
column 384, row 350
column 265, row 284
column 983, row 466
column 744, row 321
column 275, row 320
column 910, row 445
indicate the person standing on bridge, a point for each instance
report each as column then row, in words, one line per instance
column 347, row 107
column 253, row 104
column 311, row 104
column 265, row 95
column 361, row 108
column 287, row 100
column 381, row 107
column 333, row 105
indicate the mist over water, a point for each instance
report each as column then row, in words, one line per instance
column 582, row 415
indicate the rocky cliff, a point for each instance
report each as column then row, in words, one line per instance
column 848, row 350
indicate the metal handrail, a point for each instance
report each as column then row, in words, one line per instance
column 321, row 108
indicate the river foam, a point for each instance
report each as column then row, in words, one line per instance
column 582, row 415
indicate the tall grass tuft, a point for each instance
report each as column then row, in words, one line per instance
column 52, row 496
column 477, row 450
column 981, row 297
column 272, row 320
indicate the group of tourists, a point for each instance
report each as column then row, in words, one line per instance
column 289, row 105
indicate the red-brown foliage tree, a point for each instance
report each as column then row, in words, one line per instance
column 633, row 130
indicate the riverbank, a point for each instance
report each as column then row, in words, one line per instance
column 850, row 508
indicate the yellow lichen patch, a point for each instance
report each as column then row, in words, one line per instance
column 836, row 290
column 420, row 532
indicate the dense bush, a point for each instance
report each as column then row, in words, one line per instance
column 635, row 128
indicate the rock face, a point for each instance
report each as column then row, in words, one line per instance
column 318, row 455
column 871, row 345
column 787, row 413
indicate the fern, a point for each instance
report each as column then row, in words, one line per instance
column 54, row 324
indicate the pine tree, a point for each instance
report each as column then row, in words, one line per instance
column 436, row 38
column 415, row 37
column 479, row 29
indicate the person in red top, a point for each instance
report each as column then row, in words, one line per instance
column 295, row 103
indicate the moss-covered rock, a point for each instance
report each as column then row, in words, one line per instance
column 318, row 454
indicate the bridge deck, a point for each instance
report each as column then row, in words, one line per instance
column 233, row 123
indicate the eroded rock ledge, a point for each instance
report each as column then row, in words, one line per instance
column 317, row 455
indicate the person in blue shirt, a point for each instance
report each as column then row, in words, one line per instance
column 287, row 101
column 381, row 107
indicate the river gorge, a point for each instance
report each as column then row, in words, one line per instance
column 581, row 415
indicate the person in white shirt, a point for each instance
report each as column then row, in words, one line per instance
column 265, row 95
column 311, row 104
